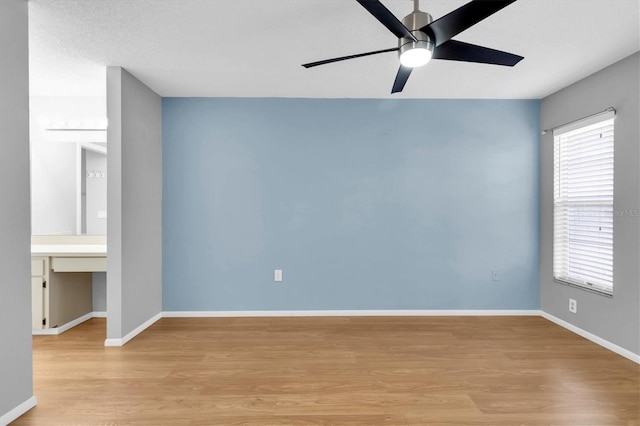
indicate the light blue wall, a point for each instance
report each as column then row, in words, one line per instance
column 365, row 204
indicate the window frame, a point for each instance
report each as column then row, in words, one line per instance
column 604, row 119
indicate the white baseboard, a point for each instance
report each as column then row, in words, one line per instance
column 350, row 313
column 57, row 330
column 45, row 332
column 122, row 341
column 409, row 312
column 18, row 411
column 595, row 339
column 342, row 313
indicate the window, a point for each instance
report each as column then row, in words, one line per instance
column 583, row 203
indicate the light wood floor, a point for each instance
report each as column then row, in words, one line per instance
column 369, row 371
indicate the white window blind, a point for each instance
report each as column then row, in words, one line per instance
column 583, row 203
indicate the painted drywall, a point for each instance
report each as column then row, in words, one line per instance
column 99, row 292
column 364, row 204
column 616, row 319
column 134, row 203
column 96, row 193
column 16, row 382
column 55, row 156
column 96, row 201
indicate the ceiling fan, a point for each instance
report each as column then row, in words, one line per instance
column 421, row 39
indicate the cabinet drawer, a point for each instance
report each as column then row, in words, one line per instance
column 79, row 264
column 37, row 267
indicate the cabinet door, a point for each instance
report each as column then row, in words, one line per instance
column 37, row 303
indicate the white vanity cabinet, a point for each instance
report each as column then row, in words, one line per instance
column 59, row 297
column 38, row 292
column 62, row 280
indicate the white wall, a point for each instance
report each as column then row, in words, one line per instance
column 16, row 388
column 96, row 201
column 54, row 158
column 616, row 319
column 96, row 192
column 134, row 198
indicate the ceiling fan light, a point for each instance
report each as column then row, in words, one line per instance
column 415, row 53
column 416, row 57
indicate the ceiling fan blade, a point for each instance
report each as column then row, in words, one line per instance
column 462, row 18
column 343, row 58
column 386, row 18
column 401, row 79
column 454, row 50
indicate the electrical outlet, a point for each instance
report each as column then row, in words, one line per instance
column 573, row 306
column 277, row 275
column 495, row 276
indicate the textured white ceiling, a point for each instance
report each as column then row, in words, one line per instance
column 247, row 48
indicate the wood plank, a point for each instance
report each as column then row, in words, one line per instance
column 336, row 370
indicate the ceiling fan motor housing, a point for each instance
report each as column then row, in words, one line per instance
column 414, row 21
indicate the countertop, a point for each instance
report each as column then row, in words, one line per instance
column 69, row 250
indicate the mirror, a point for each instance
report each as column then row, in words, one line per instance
column 93, row 194
column 68, row 165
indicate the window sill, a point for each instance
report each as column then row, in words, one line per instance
column 585, row 288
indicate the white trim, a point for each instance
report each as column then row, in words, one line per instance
column 123, row 341
column 45, row 332
column 343, row 313
column 350, row 313
column 18, row 411
column 78, row 189
column 595, row 339
column 57, row 330
column 91, row 146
